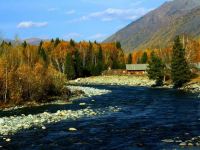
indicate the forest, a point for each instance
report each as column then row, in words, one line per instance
column 191, row 46
column 39, row 72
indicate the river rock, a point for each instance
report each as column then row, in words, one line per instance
column 1, row 121
column 168, row 140
column 82, row 104
column 182, row 144
column 190, row 144
column 72, row 129
column 8, row 140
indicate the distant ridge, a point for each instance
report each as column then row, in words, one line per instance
column 160, row 26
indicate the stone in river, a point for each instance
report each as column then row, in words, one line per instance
column 190, row 144
column 72, row 129
column 82, row 104
column 8, row 140
column 168, row 141
column 182, row 144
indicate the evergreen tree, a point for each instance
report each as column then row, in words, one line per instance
column 69, row 67
column 130, row 58
column 72, row 42
column 100, row 61
column 156, row 69
column 118, row 45
column 180, row 72
column 24, row 44
column 88, row 62
column 144, row 58
column 78, row 66
column 57, row 41
column 52, row 40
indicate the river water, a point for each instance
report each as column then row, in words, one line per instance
column 147, row 116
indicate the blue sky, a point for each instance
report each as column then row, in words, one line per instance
column 77, row 19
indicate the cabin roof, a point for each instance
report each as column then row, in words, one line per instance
column 136, row 67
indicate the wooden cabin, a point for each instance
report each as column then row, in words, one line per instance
column 136, row 68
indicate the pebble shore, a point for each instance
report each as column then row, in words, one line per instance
column 115, row 80
column 130, row 80
column 11, row 125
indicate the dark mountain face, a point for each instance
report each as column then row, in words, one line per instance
column 160, row 26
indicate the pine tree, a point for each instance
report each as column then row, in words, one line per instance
column 130, row 58
column 69, row 67
column 118, row 45
column 24, row 44
column 72, row 42
column 156, row 69
column 144, row 58
column 180, row 72
column 100, row 61
column 57, row 41
column 78, row 66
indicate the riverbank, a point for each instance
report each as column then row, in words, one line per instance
column 12, row 124
column 132, row 80
column 126, row 80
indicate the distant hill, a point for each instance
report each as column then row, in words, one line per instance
column 34, row 41
column 160, row 26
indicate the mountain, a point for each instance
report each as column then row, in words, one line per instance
column 160, row 26
column 33, row 41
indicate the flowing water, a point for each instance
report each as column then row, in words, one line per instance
column 147, row 116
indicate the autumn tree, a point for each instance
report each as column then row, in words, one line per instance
column 180, row 71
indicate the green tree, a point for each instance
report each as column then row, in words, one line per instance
column 78, row 66
column 180, row 71
column 130, row 58
column 24, row 44
column 72, row 42
column 144, row 58
column 118, row 45
column 156, row 69
column 56, row 42
column 100, row 61
column 69, row 67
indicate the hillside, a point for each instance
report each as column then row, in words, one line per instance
column 158, row 28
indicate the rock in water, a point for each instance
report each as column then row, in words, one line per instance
column 8, row 140
column 168, row 141
column 72, row 129
column 190, row 144
column 82, row 104
column 182, row 144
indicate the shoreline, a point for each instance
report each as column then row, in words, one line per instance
column 131, row 80
column 12, row 124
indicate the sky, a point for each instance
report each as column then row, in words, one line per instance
column 66, row 19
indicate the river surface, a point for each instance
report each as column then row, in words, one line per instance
column 147, row 116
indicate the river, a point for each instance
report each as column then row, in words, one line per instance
column 147, row 117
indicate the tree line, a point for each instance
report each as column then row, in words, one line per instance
column 39, row 72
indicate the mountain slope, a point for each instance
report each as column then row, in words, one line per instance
column 159, row 26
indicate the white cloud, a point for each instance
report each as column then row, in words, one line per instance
column 30, row 24
column 115, row 14
column 98, row 37
column 72, row 35
column 70, row 12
